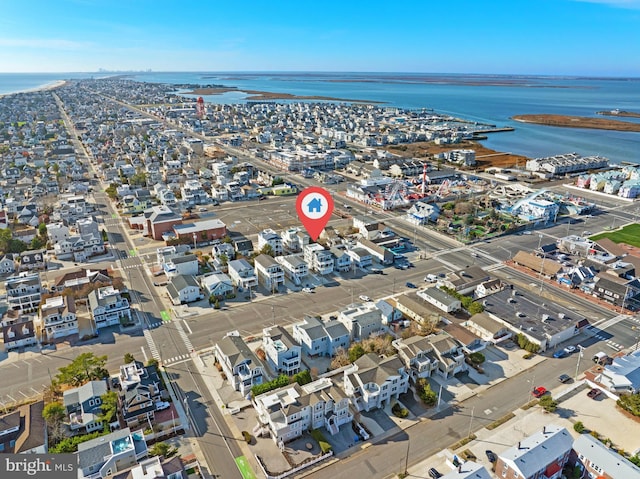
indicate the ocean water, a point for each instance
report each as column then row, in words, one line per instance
column 459, row 95
column 19, row 82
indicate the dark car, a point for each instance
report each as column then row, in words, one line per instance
column 377, row 271
column 491, row 455
column 594, row 393
column 433, row 473
column 560, row 353
column 564, row 378
column 410, row 285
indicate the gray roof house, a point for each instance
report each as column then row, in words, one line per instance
column 108, row 455
column 83, row 406
column 319, row 338
column 599, row 460
column 547, row 450
column 183, row 289
column 240, row 365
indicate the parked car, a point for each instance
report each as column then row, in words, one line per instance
column 202, row 208
column 491, row 456
column 539, row 392
column 431, row 278
column 115, row 382
column 560, row 353
column 569, row 349
column 408, row 284
column 365, row 298
column 594, row 393
column 434, row 474
column 564, row 378
column 332, row 318
column 307, row 290
column 160, row 405
column 377, row 271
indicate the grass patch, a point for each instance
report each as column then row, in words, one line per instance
column 529, row 405
column 463, row 442
column 630, row 235
column 500, row 421
column 325, row 447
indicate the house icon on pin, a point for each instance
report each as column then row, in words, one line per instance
column 315, row 205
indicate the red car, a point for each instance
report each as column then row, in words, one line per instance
column 594, row 393
column 539, row 392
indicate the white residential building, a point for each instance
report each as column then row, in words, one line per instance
column 290, row 411
column 283, row 355
column 239, row 364
column 271, row 238
column 58, row 317
column 24, row 292
column 269, row 272
column 321, row 339
column 242, row 274
column 108, row 307
column 295, row 268
column 318, row 259
column 361, row 320
column 372, row 382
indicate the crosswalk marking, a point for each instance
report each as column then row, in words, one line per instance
column 152, row 345
column 184, row 336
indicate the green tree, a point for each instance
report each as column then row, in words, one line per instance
column 86, row 367
column 548, row 404
column 37, row 242
column 267, row 249
column 224, row 259
column 128, row 358
column 162, row 449
column 42, row 230
column 109, row 407
column 356, row 351
column 227, row 239
column 139, row 179
column 111, row 191
column 428, row 396
column 54, row 413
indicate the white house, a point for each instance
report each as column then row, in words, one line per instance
column 318, row 338
column 290, row 411
column 217, row 284
column 283, row 355
column 186, row 265
column 108, row 307
column 417, row 355
column 360, row 257
column 622, row 375
column 183, row 289
column 440, row 299
column 271, row 238
column 295, row 268
column 240, row 365
column 318, row 259
column 372, row 382
column 422, row 213
column 269, row 272
column 58, row 318
column 361, row 320
column 242, row 274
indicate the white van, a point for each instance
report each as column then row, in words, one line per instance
column 431, row 278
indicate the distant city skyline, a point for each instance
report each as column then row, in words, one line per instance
column 527, row 37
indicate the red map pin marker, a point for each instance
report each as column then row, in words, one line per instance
column 314, row 206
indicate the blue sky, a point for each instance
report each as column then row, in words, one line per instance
column 559, row 37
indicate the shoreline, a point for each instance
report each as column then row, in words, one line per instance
column 46, row 87
column 257, row 95
column 569, row 121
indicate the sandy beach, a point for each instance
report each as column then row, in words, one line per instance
column 47, row 87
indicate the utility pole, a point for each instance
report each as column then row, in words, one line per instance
column 580, row 349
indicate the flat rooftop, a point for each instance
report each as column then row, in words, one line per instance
column 529, row 312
